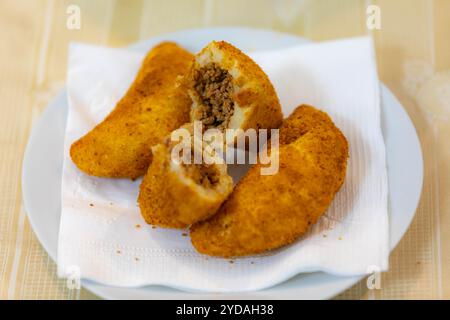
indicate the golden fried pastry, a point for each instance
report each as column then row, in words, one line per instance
column 120, row 146
column 174, row 194
column 269, row 211
column 229, row 90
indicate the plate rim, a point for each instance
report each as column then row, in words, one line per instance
column 97, row 288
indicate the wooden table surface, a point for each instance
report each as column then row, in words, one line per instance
column 413, row 55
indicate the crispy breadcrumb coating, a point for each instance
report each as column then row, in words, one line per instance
column 265, row 212
column 176, row 195
column 120, row 146
column 229, row 90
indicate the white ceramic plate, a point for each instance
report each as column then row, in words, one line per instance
column 42, row 171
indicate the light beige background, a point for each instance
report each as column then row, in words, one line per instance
column 413, row 53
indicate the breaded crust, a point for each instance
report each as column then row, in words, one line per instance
column 257, row 104
column 265, row 212
column 119, row 147
column 169, row 199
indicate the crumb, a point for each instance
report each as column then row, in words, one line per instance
column 118, row 252
column 231, row 261
column 153, row 227
column 137, row 226
column 324, row 235
column 91, row 204
column 252, row 262
column 111, row 203
column 418, row 262
column 136, row 258
column 184, row 234
column 341, row 238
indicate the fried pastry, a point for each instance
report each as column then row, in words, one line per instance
column 265, row 212
column 230, row 91
column 120, row 146
column 175, row 194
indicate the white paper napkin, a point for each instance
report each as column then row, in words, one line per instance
column 103, row 236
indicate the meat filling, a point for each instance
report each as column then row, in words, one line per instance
column 202, row 174
column 215, row 88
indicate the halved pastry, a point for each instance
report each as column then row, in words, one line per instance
column 176, row 194
column 119, row 146
column 265, row 212
column 230, row 91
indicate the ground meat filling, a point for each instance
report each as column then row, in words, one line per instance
column 215, row 88
column 204, row 175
